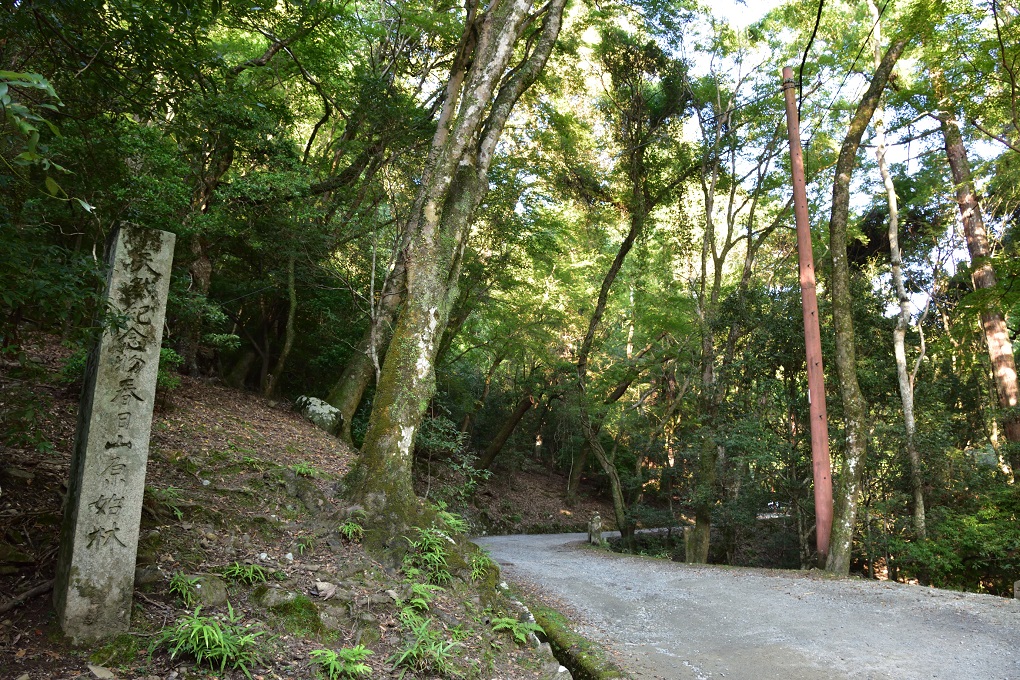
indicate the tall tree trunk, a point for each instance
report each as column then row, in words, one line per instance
column 855, row 408
column 578, row 461
column 903, row 320
column 993, row 322
column 496, row 445
column 480, row 96
column 362, row 367
column 465, row 425
column 273, row 379
column 590, row 427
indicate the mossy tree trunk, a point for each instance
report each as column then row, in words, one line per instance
column 855, row 407
column 483, row 87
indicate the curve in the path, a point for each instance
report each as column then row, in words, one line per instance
column 675, row 621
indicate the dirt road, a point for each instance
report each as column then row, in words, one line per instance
column 669, row 620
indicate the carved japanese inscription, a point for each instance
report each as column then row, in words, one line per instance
column 99, row 538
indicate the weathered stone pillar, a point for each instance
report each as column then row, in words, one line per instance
column 99, row 538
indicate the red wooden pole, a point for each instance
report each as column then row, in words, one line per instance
column 812, row 336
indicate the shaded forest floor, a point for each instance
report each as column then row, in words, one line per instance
column 236, row 480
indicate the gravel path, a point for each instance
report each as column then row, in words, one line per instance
column 667, row 620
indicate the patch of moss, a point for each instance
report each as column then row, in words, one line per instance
column 300, row 617
column 120, row 651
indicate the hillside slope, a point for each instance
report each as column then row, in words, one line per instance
column 237, row 482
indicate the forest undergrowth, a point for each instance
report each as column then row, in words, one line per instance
column 247, row 542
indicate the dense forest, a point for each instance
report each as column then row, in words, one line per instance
column 559, row 232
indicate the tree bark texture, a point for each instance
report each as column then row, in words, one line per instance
column 496, row 445
column 481, row 93
column 479, row 404
column 578, row 461
column 855, row 408
column 993, row 322
column 273, row 378
column 906, row 385
column 590, row 427
column 360, row 370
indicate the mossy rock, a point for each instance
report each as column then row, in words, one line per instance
column 271, row 598
column 335, row 615
column 584, row 659
column 211, row 590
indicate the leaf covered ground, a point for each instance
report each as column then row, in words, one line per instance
column 243, row 496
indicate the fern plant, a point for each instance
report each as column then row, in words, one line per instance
column 428, row 554
column 427, row 651
column 422, row 595
column 347, row 663
column 480, row 565
column 518, row 629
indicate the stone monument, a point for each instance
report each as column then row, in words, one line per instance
column 99, row 538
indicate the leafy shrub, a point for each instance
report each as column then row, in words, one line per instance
column 972, row 548
column 167, row 378
column 218, row 644
column 439, row 437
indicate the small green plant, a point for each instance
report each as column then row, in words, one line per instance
column 427, row 652
column 167, row 378
column 246, row 573
column 218, row 643
column 481, row 563
column 169, row 498
column 347, row 663
column 306, row 470
column 183, row 587
column 422, row 595
column 255, row 463
column 518, row 629
column 428, row 554
column 352, row 531
column 305, row 543
column 463, row 467
column 454, row 523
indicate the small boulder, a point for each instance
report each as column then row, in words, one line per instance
column 335, row 616
column 324, row 589
column 211, row 590
column 274, row 597
column 323, row 415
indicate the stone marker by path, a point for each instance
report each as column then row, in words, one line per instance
column 99, row 538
